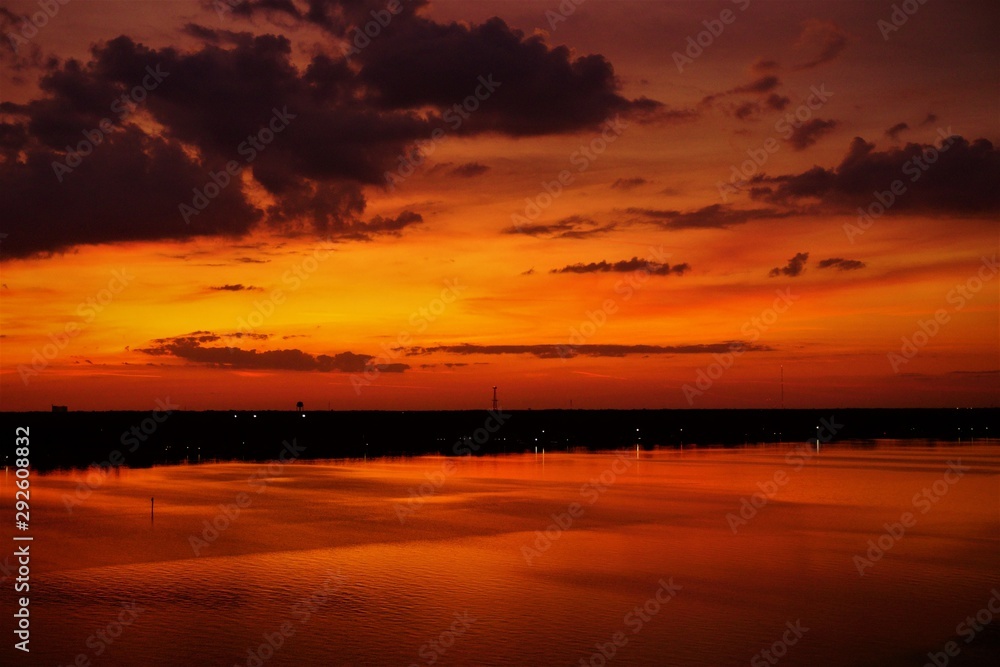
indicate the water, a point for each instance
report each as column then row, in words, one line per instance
column 455, row 569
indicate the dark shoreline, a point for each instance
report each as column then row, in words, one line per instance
column 141, row 439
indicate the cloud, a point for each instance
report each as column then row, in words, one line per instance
column 961, row 180
column 830, row 39
column 572, row 227
column 777, row 102
column 841, row 264
column 796, row 265
column 235, row 288
column 563, row 351
column 346, row 123
column 626, row 266
column 539, row 90
column 714, row 216
column 392, row 226
column 469, row 169
column 759, row 86
column 764, row 84
column 191, row 347
column 808, row 133
column 894, row 131
column 764, row 65
column 628, row 183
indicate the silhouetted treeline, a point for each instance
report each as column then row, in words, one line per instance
column 136, row 439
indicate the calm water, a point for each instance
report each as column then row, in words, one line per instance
column 322, row 549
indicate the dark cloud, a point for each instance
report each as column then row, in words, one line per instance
column 250, row 335
column 235, row 288
column 841, row 264
column 469, row 170
column 572, row 227
column 894, row 131
column 764, row 84
column 808, row 133
column 626, row 266
column 192, row 348
column 344, row 123
column 378, row 225
column 563, row 351
column 759, row 86
column 334, row 16
column 128, row 189
column 714, row 216
column 962, row 179
column 628, row 183
column 417, row 63
column 745, row 110
column 763, row 65
column 796, row 265
column 930, row 119
column 824, row 35
column 777, row 102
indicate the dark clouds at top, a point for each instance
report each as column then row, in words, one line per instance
column 353, row 117
column 961, row 179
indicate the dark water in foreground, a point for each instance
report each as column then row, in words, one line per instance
column 357, row 572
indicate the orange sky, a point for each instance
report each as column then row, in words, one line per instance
column 652, row 194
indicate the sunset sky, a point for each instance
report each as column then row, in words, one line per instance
column 539, row 196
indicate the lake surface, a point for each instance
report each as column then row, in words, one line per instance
column 461, row 561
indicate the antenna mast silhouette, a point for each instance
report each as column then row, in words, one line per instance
column 494, row 399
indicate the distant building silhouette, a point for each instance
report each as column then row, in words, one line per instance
column 60, row 408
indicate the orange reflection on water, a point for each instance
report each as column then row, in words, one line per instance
column 548, row 555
